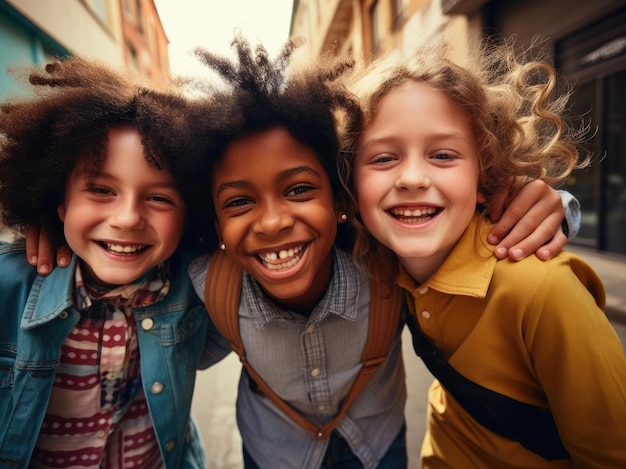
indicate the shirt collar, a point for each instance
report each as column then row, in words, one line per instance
column 148, row 289
column 340, row 298
column 467, row 270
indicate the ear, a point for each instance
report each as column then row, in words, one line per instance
column 61, row 211
column 480, row 199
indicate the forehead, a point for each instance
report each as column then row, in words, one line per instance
column 266, row 153
column 123, row 156
column 412, row 101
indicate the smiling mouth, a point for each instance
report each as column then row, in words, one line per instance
column 124, row 249
column 414, row 216
column 283, row 259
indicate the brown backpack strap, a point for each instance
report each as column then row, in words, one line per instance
column 221, row 298
column 221, row 294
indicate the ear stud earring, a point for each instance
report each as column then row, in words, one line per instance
column 343, row 217
column 222, row 246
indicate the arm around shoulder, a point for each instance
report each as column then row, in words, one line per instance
column 572, row 220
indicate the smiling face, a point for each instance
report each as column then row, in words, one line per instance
column 416, row 175
column 276, row 215
column 127, row 219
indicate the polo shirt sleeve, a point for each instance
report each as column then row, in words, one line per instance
column 579, row 361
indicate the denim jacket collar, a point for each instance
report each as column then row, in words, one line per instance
column 47, row 302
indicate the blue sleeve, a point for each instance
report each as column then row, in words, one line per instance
column 216, row 346
column 572, row 214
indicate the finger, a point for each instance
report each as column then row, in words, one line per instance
column 495, row 208
column 548, row 251
column 528, row 209
column 32, row 244
column 509, row 222
column 64, row 254
column 47, row 254
column 529, row 235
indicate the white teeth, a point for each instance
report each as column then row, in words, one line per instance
column 284, row 265
column 294, row 255
column 413, row 213
column 282, row 254
column 124, row 249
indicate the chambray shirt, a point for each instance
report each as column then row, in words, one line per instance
column 311, row 363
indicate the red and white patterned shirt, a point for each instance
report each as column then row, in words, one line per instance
column 97, row 415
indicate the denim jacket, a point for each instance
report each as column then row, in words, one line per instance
column 37, row 314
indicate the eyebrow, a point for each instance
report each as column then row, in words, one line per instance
column 285, row 174
column 105, row 175
column 442, row 135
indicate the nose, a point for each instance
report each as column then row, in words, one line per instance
column 273, row 218
column 127, row 214
column 413, row 175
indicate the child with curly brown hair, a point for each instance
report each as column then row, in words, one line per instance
column 529, row 371
column 98, row 360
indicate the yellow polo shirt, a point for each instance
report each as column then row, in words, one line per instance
column 532, row 330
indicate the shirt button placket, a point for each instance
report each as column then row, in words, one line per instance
column 319, row 392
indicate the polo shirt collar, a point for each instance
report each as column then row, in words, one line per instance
column 467, row 270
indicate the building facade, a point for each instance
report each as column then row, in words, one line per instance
column 119, row 32
column 144, row 39
column 585, row 40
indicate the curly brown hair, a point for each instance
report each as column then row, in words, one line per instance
column 303, row 96
column 516, row 103
column 72, row 105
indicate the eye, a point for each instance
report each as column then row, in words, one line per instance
column 382, row 158
column 236, row 203
column 100, row 190
column 299, row 190
column 443, row 156
column 162, row 199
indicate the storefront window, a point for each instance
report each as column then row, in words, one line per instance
column 594, row 61
column 615, row 180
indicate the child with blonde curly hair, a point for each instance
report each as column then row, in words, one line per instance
column 529, row 371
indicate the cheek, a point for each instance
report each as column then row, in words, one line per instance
column 230, row 231
column 366, row 186
column 171, row 234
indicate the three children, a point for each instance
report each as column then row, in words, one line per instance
column 304, row 305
